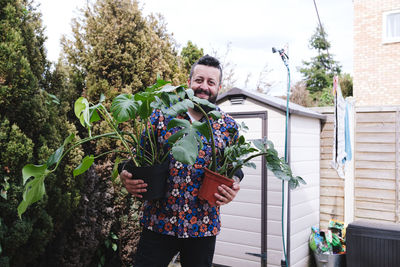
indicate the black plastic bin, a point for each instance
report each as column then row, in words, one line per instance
column 371, row 244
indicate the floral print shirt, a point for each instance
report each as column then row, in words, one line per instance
column 181, row 213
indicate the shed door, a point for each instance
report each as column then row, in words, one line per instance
column 240, row 242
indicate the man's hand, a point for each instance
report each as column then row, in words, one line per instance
column 226, row 194
column 135, row 187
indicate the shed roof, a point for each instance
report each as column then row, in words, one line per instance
column 271, row 101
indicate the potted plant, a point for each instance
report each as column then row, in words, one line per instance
column 186, row 142
column 139, row 146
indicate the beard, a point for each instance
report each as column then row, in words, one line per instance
column 211, row 99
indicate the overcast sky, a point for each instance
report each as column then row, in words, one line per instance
column 251, row 28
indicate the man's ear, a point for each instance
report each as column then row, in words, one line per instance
column 188, row 82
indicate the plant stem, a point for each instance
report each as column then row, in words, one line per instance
column 246, row 160
column 214, row 154
column 150, row 134
column 90, row 138
column 109, row 120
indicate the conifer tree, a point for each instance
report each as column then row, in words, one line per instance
column 118, row 50
column 319, row 71
column 31, row 126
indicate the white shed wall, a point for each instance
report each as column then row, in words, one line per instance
column 276, row 130
column 304, row 157
column 304, row 160
column 241, row 219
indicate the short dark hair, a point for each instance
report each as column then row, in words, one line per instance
column 210, row 61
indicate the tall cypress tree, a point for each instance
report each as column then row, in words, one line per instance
column 31, row 127
column 319, row 71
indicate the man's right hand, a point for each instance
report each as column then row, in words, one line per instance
column 135, row 187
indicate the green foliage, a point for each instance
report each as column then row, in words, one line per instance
column 326, row 97
column 318, row 73
column 15, row 235
column 118, row 50
column 110, row 246
column 190, row 54
column 31, row 125
column 238, row 154
column 346, row 84
column 136, row 109
column 235, row 156
column 186, row 140
column 242, row 152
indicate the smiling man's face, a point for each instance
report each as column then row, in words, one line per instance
column 205, row 82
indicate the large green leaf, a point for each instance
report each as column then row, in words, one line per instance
column 84, row 166
column 190, row 93
column 124, row 107
column 260, row 145
column 145, row 109
column 82, row 111
column 165, row 99
column 178, row 123
column 186, row 141
column 179, row 108
column 202, row 128
column 175, row 137
column 185, row 150
column 56, row 156
column 203, row 102
column 31, row 170
column 34, row 189
column 181, row 92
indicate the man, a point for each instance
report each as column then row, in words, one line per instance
column 182, row 222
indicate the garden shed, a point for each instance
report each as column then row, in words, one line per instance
column 251, row 224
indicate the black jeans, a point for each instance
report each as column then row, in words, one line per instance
column 157, row 250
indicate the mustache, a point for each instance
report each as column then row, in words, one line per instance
column 201, row 91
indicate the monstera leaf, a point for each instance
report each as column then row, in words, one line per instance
column 124, row 108
column 186, row 141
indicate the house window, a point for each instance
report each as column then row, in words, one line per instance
column 391, row 26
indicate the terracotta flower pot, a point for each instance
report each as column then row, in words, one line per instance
column 210, row 185
column 154, row 176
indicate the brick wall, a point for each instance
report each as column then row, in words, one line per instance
column 376, row 64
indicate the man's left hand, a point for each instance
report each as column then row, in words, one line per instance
column 226, row 194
